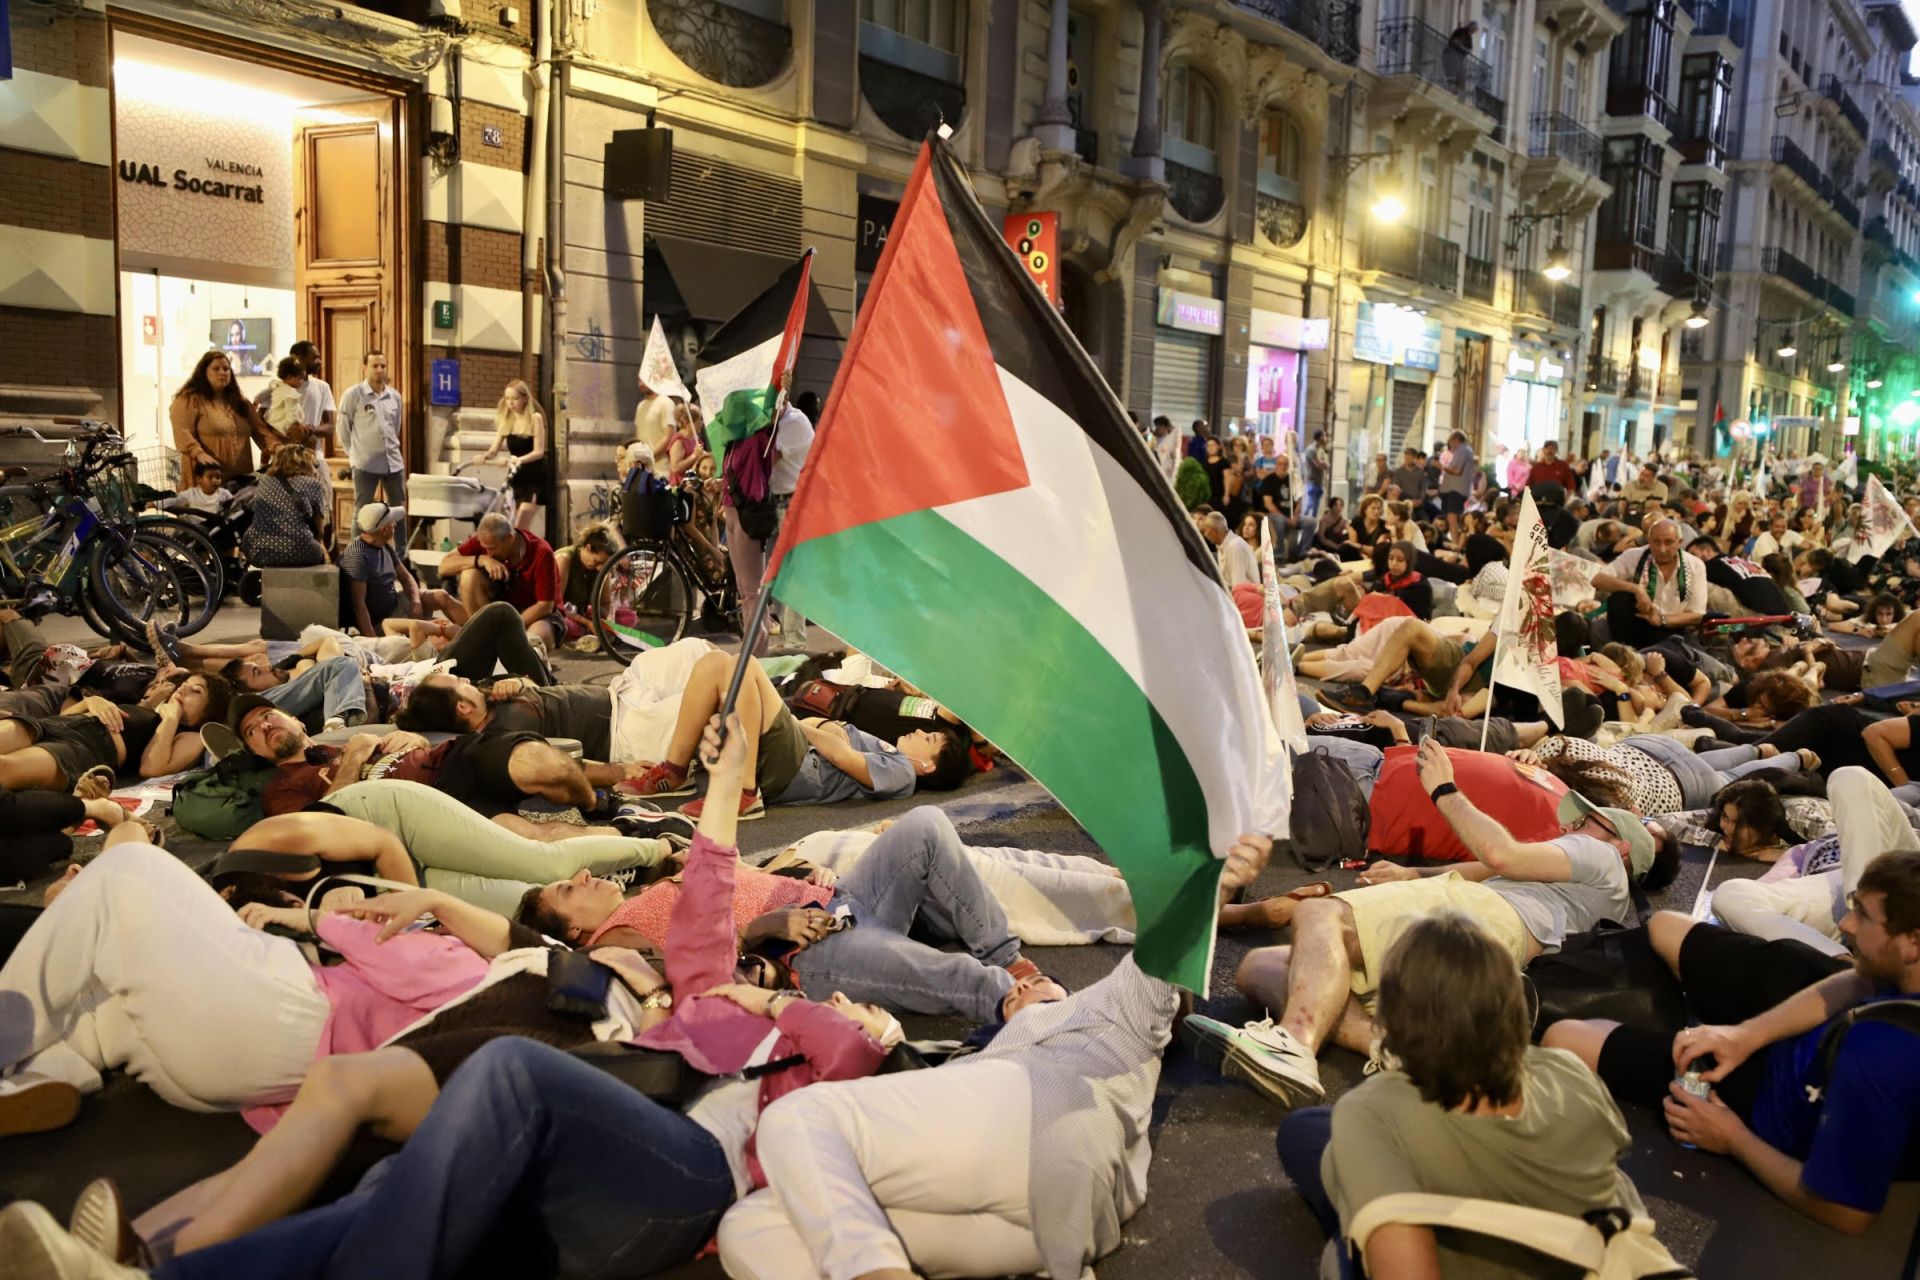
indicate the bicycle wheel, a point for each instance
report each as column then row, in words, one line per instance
column 132, row 585
column 193, row 556
column 192, row 538
column 641, row 600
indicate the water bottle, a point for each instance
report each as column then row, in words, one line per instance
column 1692, row 1082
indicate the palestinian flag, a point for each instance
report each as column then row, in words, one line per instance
column 978, row 514
column 744, row 366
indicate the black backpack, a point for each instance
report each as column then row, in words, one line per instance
column 1904, row 1014
column 1330, row 816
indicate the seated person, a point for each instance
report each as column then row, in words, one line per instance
column 289, row 510
column 1828, row 1142
column 1454, row 1022
column 1405, row 583
column 576, row 571
column 378, row 583
column 207, row 495
column 795, row 761
column 843, row 935
column 500, row 562
column 1528, row 894
column 1394, row 645
column 1654, row 591
column 54, row 753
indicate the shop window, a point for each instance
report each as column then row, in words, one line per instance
column 911, row 63
column 740, row 43
column 1191, row 143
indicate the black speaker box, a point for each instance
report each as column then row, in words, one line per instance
column 639, row 164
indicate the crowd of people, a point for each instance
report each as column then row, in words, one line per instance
column 500, row 921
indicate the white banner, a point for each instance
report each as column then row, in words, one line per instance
column 1526, row 656
column 1882, row 523
column 657, row 368
column 1276, row 662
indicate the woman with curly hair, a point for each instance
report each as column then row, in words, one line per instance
column 289, row 511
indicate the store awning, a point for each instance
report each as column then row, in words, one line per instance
column 711, row 282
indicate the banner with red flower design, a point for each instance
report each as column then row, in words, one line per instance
column 1526, row 656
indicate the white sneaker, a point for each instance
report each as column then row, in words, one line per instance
column 1264, row 1055
column 334, row 724
column 33, row 1245
column 1668, row 717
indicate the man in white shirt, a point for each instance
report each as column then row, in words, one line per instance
column 653, row 423
column 1166, row 447
column 1237, row 561
column 1655, row 591
column 372, row 413
column 792, row 439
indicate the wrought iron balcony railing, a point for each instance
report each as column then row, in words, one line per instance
column 1563, row 138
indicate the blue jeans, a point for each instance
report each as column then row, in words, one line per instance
column 393, row 484
column 916, row 870
column 1702, row 774
column 1301, row 1140
column 333, row 688
column 523, row 1138
column 1310, row 505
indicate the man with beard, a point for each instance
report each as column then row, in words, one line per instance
column 1816, row 1082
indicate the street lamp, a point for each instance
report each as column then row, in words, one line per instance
column 1874, row 384
column 1387, row 206
column 1836, row 366
column 1557, row 268
column 1787, row 351
column 1699, row 319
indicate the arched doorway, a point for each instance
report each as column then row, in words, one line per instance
column 1095, row 312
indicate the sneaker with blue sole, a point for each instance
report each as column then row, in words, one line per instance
column 1261, row 1053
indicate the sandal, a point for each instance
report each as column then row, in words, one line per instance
column 99, row 771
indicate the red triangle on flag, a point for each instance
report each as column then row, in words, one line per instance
column 916, row 417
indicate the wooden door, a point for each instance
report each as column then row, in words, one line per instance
column 347, row 226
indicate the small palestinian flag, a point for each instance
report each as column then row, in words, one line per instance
column 746, row 362
column 978, row 514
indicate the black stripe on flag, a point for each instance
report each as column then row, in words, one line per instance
column 763, row 318
column 1031, row 341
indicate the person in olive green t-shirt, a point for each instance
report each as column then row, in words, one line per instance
column 1465, row 1107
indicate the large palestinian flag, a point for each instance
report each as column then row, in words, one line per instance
column 979, row 514
column 743, row 366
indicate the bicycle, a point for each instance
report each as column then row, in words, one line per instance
column 77, row 555
column 644, row 597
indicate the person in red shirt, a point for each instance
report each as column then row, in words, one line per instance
column 1525, row 799
column 1551, row 466
column 500, row 562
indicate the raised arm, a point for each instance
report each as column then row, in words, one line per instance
column 1489, row 842
column 700, row 937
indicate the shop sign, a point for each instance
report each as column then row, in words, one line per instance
column 445, row 379
column 1191, row 311
column 1526, row 368
column 1313, row 334
column 1035, row 238
column 1789, row 423
column 1850, row 425
column 873, row 219
column 149, row 175
column 1386, row 333
column 1272, row 329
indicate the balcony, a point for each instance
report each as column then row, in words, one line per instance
column 1333, row 26
column 1784, row 266
column 1412, row 255
column 1844, row 205
column 1535, row 295
column 1626, row 256
column 1837, row 298
column 1876, row 242
column 1477, row 280
column 1431, row 90
column 1677, row 277
column 1788, row 155
column 1603, row 375
column 1591, row 22
column 1883, row 167
column 1703, row 144
column 1908, row 192
column 1562, row 170
column 1835, row 92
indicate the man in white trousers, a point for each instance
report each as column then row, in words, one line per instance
column 1025, row 1157
column 1869, row 822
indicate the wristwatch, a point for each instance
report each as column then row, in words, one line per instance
column 658, row 998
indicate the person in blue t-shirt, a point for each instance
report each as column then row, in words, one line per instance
column 1831, row 1153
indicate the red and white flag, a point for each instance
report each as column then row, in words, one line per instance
column 1526, row 656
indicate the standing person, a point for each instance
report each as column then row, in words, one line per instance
column 1317, row 460
column 372, row 412
column 1457, row 470
column 1197, row 442
column 1466, row 1108
column 317, row 412
column 520, row 427
column 1411, row 477
column 213, row 422
column 1281, row 509
column 653, row 423
column 1166, row 446
column 1215, row 464
column 792, row 441
column 1551, row 466
column 1519, row 467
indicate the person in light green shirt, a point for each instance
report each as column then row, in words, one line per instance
column 1464, row 1107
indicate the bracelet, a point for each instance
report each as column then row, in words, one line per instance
column 1444, row 789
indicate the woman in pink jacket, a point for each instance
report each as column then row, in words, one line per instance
column 471, row 1073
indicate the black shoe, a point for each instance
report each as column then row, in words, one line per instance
column 1393, row 699
column 675, row 828
column 1582, row 714
column 1347, row 696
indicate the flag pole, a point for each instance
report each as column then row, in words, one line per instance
column 1493, row 667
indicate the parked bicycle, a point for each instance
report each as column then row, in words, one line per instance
column 647, row 596
column 70, row 543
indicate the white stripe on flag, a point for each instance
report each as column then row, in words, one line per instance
column 1526, row 656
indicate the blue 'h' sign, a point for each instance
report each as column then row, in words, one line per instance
column 446, row 382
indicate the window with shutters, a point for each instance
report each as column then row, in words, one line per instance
column 912, row 63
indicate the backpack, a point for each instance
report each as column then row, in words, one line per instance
column 1904, row 1014
column 1606, row 1244
column 1330, row 817
column 221, row 802
column 649, row 506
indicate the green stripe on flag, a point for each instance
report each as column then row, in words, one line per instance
column 932, row 603
column 636, row 635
